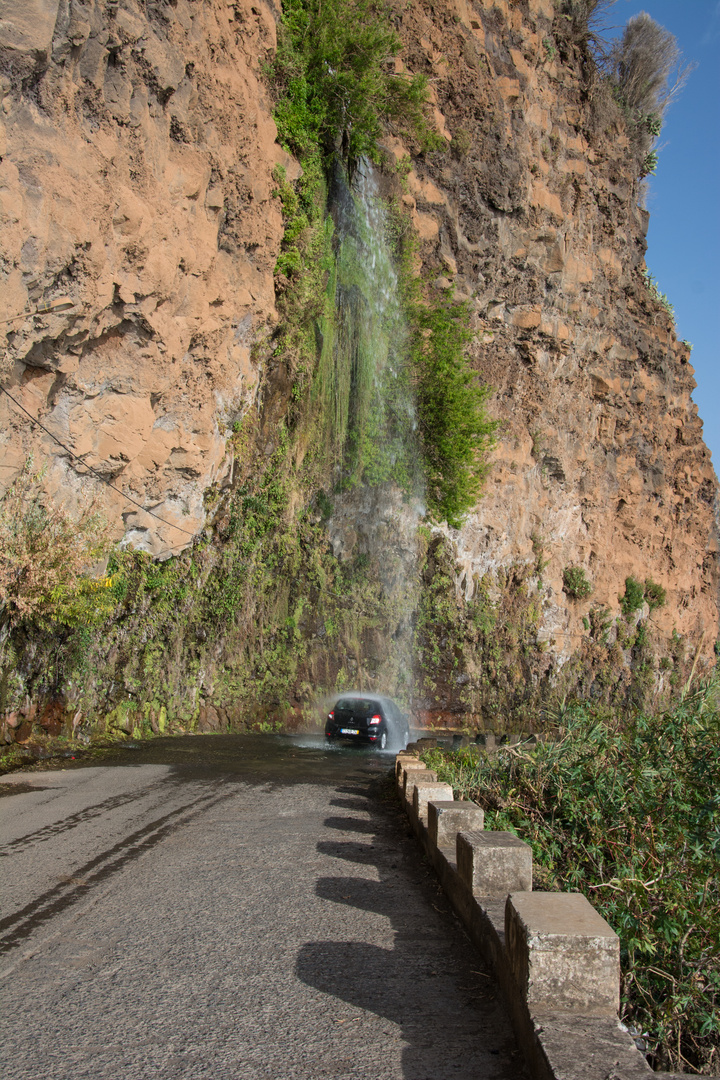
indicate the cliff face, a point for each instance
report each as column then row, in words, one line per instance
column 535, row 217
column 138, row 148
column 136, row 177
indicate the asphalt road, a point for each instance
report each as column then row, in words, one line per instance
column 232, row 908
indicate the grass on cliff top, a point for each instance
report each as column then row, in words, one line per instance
column 629, row 814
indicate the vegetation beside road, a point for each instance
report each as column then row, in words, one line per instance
column 627, row 811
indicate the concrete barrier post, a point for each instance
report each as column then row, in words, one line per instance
column 562, row 953
column 427, row 776
column 411, row 763
column 414, row 772
column 423, row 792
column 447, row 818
column 401, row 761
column 493, row 864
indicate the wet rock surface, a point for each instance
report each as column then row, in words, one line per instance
column 228, row 906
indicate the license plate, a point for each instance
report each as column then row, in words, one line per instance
column 349, row 731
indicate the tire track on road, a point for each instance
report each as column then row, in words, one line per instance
column 47, row 832
column 15, row 928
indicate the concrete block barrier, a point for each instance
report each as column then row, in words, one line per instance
column 403, row 759
column 555, row 959
column 412, row 763
column 413, row 775
column 493, row 864
column 409, row 763
column 423, row 792
column 562, row 953
column 447, row 818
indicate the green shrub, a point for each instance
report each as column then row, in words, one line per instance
column 289, row 263
column 575, row 583
column 656, row 295
column 628, row 812
column 654, row 594
column 633, row 597
column 636, row 593
column 649, row 164
column 335, row 87
column 46, row 559
column 455, row 431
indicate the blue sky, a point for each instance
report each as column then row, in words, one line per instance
column 684, row 198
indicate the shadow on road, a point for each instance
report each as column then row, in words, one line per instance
column 431, row 984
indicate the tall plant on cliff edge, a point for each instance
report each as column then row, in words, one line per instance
column 646, row 70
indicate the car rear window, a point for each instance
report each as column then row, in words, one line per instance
column 359, row 707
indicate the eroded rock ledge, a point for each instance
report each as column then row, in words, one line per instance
column 138, row 147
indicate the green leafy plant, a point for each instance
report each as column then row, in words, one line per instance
column 46, row 558
column 637, row 593
column 334, row 84
column 575, row 583
column 626, row 809
column 656, row 295
column 655, row 595
column 634, row 596
column 455, row 430
column 649, row 164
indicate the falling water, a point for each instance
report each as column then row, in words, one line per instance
column 381, row 498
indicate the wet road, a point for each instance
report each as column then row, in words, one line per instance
column 233, row 908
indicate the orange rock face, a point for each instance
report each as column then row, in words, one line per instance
column 137, row 149
column 136, row 179
column 600, row 456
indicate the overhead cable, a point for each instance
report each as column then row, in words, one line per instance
column 94, row 471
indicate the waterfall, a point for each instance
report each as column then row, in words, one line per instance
column 381, row 497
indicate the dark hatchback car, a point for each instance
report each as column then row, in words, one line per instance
column 368, row 718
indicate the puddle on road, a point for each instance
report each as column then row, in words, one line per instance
column 256, row 758
column 18, row 788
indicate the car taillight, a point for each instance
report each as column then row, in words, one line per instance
column 331, row 716
column 376, row 719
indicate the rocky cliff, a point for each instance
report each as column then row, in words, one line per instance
column 537, row 218
column 138, row 147
column 138, row 150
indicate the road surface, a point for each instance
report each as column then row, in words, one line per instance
column 233, row 908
